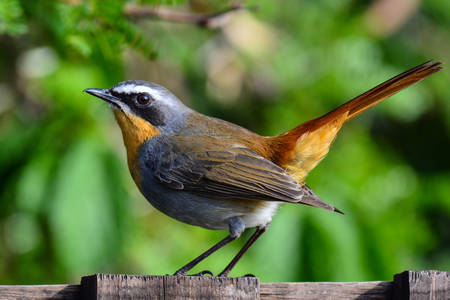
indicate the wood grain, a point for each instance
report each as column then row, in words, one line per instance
column 196, row 287
column 111, row 286
column 115, row 286
column 415, row 285
column 421, row 285
column 37, row 292
column 327, row 290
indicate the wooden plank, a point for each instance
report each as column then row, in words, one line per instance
column 115, row 286
column 327, row 290
column 110, row 286
column 37, row 292
column 197, row 287
column 416, row 285
column 421, row 285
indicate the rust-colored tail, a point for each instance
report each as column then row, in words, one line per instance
column 302, row 148
column 383, row 91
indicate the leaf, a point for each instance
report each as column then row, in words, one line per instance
column 11, row 18
column 80, row 214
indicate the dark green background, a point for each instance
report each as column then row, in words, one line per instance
column 68, row 206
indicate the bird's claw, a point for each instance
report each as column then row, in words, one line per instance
column 204, row 273
column 178, row 273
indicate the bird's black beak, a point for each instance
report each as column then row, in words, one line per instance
column 105, row 95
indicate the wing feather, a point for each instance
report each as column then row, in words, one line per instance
column 236, row 172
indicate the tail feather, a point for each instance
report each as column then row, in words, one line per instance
column 311, row 199
column 373, row 96
column 383, row 91
column 302, row 148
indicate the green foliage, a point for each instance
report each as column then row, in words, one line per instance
column 70, row 208
column 90, row 29
column 11, row 18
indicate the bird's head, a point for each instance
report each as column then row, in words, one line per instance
column 143, row 110
column 142, row 101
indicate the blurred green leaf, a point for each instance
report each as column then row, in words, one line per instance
column 11, row 18
column 80, row 212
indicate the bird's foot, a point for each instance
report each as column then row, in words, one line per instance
column 179, row 273
column 204, row 273
column 183, row 272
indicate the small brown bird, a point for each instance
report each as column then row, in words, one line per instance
column 207, row 172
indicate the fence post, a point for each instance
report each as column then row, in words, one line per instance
column 422, row 285
column 111, row 286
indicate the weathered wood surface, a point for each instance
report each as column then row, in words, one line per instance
column 38, row 292
column 416, row 285
column 327, row 290
column 107, row 286
column 422, row 285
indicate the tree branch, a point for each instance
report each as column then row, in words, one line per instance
column 211, row 20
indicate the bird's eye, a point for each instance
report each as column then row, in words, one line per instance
column 143, row 99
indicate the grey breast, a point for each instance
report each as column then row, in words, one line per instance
column 179, row 204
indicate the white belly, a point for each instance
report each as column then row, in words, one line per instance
column 261, row 216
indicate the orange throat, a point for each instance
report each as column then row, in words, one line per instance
column 135, row 132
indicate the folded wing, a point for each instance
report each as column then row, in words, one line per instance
column 223, row 171
column 234, row 172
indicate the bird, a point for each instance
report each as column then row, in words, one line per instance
column 211, row 173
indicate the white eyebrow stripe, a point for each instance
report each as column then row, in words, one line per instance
column 134, row 89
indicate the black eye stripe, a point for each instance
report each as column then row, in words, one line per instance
column 131, row 96
column 148, row 110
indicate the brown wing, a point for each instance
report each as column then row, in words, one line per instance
column 220, row 171
column 302, row 148
column 223, row 171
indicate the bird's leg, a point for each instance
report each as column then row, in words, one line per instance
column 204, row 255
column 236, row 225
column 259, row 231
